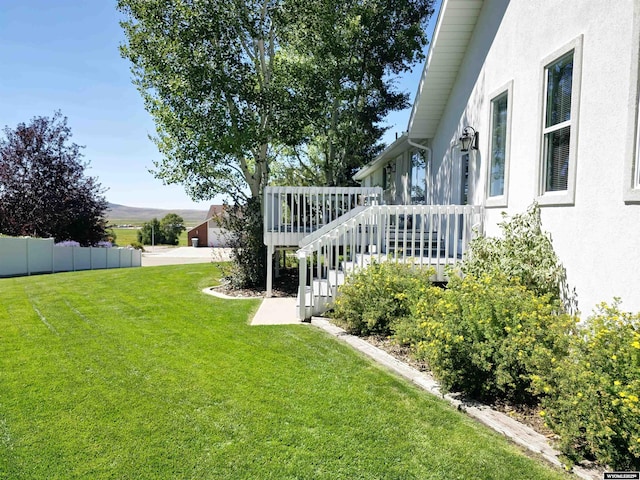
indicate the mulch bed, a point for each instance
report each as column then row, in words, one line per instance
column 286, row 285
column 526, row 414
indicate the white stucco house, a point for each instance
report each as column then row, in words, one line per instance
column 547, row 93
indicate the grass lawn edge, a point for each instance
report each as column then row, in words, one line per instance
column 517, row 432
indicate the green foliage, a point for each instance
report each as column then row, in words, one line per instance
column 43, row 188
column 164, row 232
column 317, row 77
column 487, row 336
column 593, row 395
column 245, row 237
column 172, row 226
column 135, row 374
column 137, row 246
column 524, row 252
column 374, row 297
column 340, row 56
column 149, row 233
column 111, row 235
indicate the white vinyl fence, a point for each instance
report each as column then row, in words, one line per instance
column 26, row 256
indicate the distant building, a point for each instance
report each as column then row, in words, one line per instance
column 210, row 232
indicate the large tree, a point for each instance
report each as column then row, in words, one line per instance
column 206, row 72
column 346, row 55
column 44, row 191
column 229, row 84
column 234, row 85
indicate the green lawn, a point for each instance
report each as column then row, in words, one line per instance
column 135, row 373
column 125, row 236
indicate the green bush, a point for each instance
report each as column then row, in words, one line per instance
column 487, row 336
column 372, row 298
column 524, row 252
column 593, row 395
column 244, row 225
column 164, row 232
column 137, row 246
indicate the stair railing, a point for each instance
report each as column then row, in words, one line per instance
column 423, row 235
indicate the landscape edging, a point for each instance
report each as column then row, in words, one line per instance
column 518, row 432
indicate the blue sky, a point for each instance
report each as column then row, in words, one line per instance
column 63, row 55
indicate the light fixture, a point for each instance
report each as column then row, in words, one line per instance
column 468, row 139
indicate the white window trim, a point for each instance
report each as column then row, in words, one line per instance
column 500, row 200
column 631, row 190
column 564, row 197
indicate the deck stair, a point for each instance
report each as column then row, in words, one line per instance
column 423, row 235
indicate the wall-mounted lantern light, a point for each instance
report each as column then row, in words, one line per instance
column 469, row 139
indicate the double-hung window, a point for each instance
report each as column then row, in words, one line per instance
column 632, row 157
column 498, row 174
column 418, row 179
column 559, row 129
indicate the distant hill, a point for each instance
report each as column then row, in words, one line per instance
column 121, row 214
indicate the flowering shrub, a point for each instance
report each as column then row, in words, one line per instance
column 104, row 244
column 68, row 243
column 593, row 395
column 524, row 251
column 372, row 298
column 488, row 336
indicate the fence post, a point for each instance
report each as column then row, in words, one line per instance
column 27, row 240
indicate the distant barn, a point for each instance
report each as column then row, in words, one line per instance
column 210, row 232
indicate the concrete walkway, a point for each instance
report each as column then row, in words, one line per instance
column 272, row 311
column 163, row 255
column 276, row 311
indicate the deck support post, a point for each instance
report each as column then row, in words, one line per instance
column 270, row 250
column 302, row 288
column 276, row 264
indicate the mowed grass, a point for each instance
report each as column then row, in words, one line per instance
column 126, row 236
column 135, row 373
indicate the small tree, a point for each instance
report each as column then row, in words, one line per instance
column 164, row 232
column 150, row 233
column 43, row 189
column 172, row 225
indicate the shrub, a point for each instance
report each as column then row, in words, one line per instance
column 244, row 224
column 593, row 395
column 524, row 252
column 164, row 232
column 137, row 246
column 488, row 336
column 372, row 298
column 68, row 243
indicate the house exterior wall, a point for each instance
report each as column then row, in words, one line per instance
column 216, row 236
column 201, row 232
column 597, row 237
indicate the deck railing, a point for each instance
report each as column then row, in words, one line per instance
column 292, row 213
column 424, row 235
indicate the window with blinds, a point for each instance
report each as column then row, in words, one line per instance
column 557, row 124
column 499, row 106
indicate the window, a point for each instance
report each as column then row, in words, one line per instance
column 559, row 129
column 418, row 179
column 632, row 156
column 387, row 178
column 464, row 179
column 498, row 174
column 632, row 164
column 637, row 172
